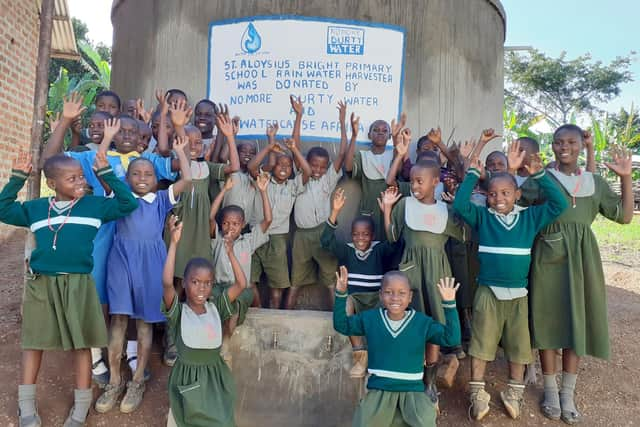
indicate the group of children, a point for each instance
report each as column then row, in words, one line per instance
column 182, row 224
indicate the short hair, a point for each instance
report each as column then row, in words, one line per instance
column 205, row 101
column 195, row 263
column 143, row 125
column 192, row 128
column 227, row 210
column 54, row 163
column 421, row 141
column 503, row 175
column 568, row 128
column 138, row 160
column 429, row 164
column 242, row 143
column 171, row 92
column 393, row 274
column 124, row 116
column 318, row 152
column 105, row 114
column 379, row 121
column 497, row 153
column 531, row 141
column 366, row 219
column 110, row 93
column 428, row 155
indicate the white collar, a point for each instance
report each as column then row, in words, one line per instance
column 508, row 220
column 149, row 197
column 363, row 255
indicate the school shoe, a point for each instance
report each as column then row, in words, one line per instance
column 479, row 400
column 170, row 354
column 512, row 398
column 30, row 421
column 360, row 361
column 133, row 398
column 108, row 400
column 70, row 422
column 100, row 379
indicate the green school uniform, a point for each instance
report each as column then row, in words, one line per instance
column 568, row 294
column 201, row 388
column 424, row 259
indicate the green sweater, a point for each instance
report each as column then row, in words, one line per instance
column 77, row 225
column 505, row 241
column 396, row 356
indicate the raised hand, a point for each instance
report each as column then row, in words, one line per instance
column 224, row 124
column 262, row 181
column 487, row 135
column 515, row 157
column 235, row 123
column 467, row 147
column 622, row 163
column 272, row 130
column 163, row 100
column 228, row 184
column 180, row 144
column 54, row 121
column 355, row 125
column 111, row 128
column 296, row 104
column 275, row 147
column 535, row 164
column 72, row 106
column 388, row 198
column 175, row 229
column 396, row 128
column 290, row 143
column 402, row 148
column 338, row 200
column 180, row 113
column 435, row 136
column 447, row 197
column 342, row 111
column 143, row 114
column 22, row 163
column 100, row 161
column 587, row 139
column 342, row 278
column 447, row 287
column 475, row 162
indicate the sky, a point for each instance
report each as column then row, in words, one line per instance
column 605, row 29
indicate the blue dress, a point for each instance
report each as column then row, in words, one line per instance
column 136, row 260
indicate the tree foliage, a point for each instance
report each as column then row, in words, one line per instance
column 558, row 88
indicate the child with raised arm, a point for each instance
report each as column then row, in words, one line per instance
column 568, row 294
column 134, row 278
column 201, row 388
column 365, row 258
column 311, row 263
column 424, row 224
column 61, row 307
column 271, row 258
column 396, row 336
column 506, row 233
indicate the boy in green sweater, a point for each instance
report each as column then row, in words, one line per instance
column 506, row 233
column 396, row 337
column 61, row 306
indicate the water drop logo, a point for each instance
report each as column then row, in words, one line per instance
column 251, row 41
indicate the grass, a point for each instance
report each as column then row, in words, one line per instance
column 618, row 242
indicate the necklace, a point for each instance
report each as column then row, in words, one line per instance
column 55, row 232
column 577, row 187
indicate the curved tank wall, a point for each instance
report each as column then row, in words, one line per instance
column 453, row 55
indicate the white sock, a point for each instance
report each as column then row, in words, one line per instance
column 100, row 368
column 132, row 351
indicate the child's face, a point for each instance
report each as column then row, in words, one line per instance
column 319, row 166
column 424, row 182
column 96, row 128
column 204, row 117
column 155, row 126
column 198, row 285
column 232, row 224
column 426, row 145
column 379, row 133
column 567, row 146
column 195, row 144
column 496, row 163
column 126, row 140
column 145, row 137
column 361, row 235
column 396, row 296
column 131, row 108
column 283, row 168
column 502, row 195
column 68, row 183
column 108, row 104
column 246, row 152
column 142, row 177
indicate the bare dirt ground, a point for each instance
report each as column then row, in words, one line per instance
column 608, row 392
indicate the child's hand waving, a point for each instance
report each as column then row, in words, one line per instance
column 535, row 164
column 338, row 201
column 272, row 130
column 291, row 144
column 622, row 163
column 355, row 125
column 402, row 148
column 22, row 163
column 488, row 135
column 342, row 112
column 388, row 198
column 435, row 136
column 447, row 287
column 143, row 114
column 180, row 144
column 180, row 113
column 175, row 229
column 466, row 148
column 72, row 106
column 223, row 122
column 262, row 181
column 111, row 128
column 296, row 104
column 100, row 161
column 587, row 139
column 342, row 279
column 515, row 157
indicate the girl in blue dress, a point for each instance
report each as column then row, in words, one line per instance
column 134, row 274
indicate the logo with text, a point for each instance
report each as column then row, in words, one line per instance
column 345, row 41
column 251, row 42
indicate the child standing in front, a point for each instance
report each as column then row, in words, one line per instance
column 61, row 306
column 201, row 388
column 506, row 233
column 568, row 294
column 134, row 279
column 311, row 263
column 424, row 224
column 396, row 336
column 365, row 259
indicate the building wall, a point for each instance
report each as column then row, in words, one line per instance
column 18, row 56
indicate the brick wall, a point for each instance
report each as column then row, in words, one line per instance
column 18, row 55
